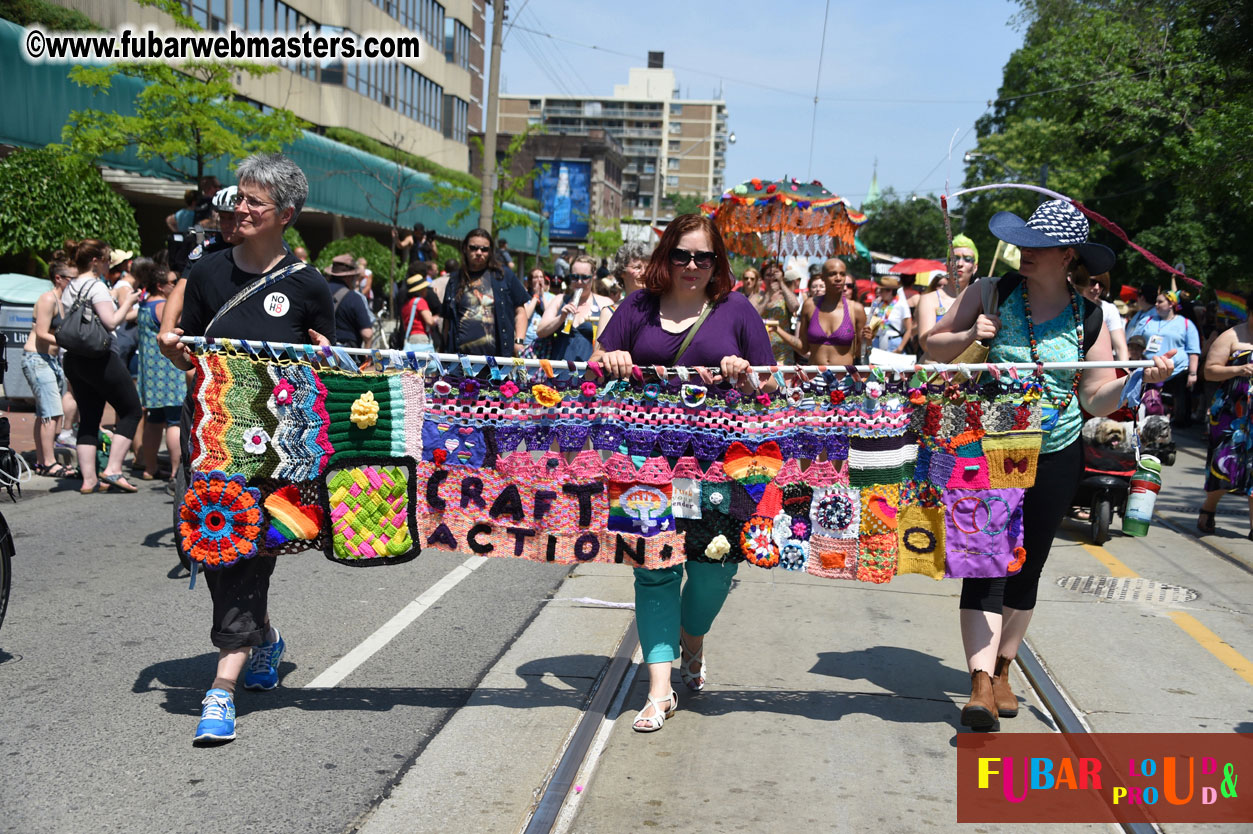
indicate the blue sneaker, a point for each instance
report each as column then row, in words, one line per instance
column 262, row 671
column 217, row 717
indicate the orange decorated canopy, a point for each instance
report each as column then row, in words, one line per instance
column 779, row 218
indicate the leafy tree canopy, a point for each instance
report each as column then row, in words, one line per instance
column 908, row 228
column 185, row 117
column 67, row 195
column 1140, row 109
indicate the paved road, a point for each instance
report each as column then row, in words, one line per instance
column 104, row 657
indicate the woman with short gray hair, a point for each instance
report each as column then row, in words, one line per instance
column 280, row 178
column 628, row 265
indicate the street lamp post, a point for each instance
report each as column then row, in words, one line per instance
column 657, row 173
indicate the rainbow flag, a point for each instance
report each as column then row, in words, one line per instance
column 1231, row 304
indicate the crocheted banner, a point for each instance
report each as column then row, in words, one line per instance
column 839, row 476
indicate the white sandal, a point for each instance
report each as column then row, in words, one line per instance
column 695, row 681
column 652, row 723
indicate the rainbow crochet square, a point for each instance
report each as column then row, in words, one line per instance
column 370, row 508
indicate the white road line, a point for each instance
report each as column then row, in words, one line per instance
column 345, row 666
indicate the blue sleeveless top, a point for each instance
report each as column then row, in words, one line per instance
column 1057, row 341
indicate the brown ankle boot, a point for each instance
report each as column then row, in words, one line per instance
column 980, row 713
column 1006, row 701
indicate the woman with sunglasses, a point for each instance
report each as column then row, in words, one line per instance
column 1041, row 319
column 933, row 305
column 1093, row 287
column 685, row 315
column 484, row 302
column 571, row 325
column 777, row 304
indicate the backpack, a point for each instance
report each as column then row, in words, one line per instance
column 81, row 332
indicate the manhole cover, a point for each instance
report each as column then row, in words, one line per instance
column 1128, row 589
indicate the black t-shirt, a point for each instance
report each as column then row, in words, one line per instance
column 283, row 312
column 351, row 316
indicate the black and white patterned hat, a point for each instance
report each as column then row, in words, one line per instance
column 1055, row 223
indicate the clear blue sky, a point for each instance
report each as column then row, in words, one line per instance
column 899, row 77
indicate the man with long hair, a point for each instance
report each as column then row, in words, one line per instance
column 484, row 303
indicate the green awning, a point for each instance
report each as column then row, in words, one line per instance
column 343, row 180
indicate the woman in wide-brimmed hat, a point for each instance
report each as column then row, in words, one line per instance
column 1042, row 318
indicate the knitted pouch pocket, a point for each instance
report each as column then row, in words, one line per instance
column 920, row 534
column 982, row 531
column 832, row 558
column 370, row 504
column 1012, row 458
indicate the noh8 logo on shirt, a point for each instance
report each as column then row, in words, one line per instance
column 277, row 304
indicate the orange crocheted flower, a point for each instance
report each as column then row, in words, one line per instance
column 1020, row 556
column 220, row 519
column 546, row 396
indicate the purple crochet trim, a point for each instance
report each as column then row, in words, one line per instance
column 837, row 446
column 708, row 446
column 641, row 441
column 922, row 466
column 607, row 437
column 508, row 437
column 572, row 436
column 539, row 436
column 674, row 442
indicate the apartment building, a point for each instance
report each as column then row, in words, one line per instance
column 426, row 106
column 670, row 145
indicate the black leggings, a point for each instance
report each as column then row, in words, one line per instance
column 1043, row 508
column 96, row 381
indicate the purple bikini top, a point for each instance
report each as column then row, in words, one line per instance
column 843, row 335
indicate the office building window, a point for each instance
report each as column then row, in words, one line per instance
column 676, row 109
column 456, row 118
column 426, row 16
column 457, row 42
column 672, row 180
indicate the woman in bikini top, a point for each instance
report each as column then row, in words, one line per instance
column 840, row 345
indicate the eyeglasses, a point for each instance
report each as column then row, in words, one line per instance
column 472, row 248
column 682, row 257
column 243, row 201
column 966, row 258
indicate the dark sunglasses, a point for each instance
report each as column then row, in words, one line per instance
column 573, row 277
column 682, row 257
column 472, row 248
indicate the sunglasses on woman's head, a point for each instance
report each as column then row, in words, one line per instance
column 682, row 257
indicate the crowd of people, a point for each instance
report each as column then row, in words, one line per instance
column 679, row 303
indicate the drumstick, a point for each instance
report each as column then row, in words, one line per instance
column 578, row 296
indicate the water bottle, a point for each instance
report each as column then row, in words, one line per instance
column 561, row 201
column 1145, row 484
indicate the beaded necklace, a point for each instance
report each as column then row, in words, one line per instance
column 1035, row 352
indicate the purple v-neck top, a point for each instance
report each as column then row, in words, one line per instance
column 733, row 328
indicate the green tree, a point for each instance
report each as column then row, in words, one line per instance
column 187, row 117
column 604, row 236
column 1141, row 110
column 48, row 196
column 683, row 203
column 380, row 260
column 909, row 228
column 509, row 189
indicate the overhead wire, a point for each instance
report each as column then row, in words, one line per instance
column 561, row 57
column 813, row 125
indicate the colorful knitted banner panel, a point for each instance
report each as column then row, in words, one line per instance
column 836, row 475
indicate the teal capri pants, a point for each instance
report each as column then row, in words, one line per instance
column 661, row 608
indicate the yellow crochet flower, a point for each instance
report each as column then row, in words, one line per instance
column 546, row 396
column 365, row 411
column 718, row 548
